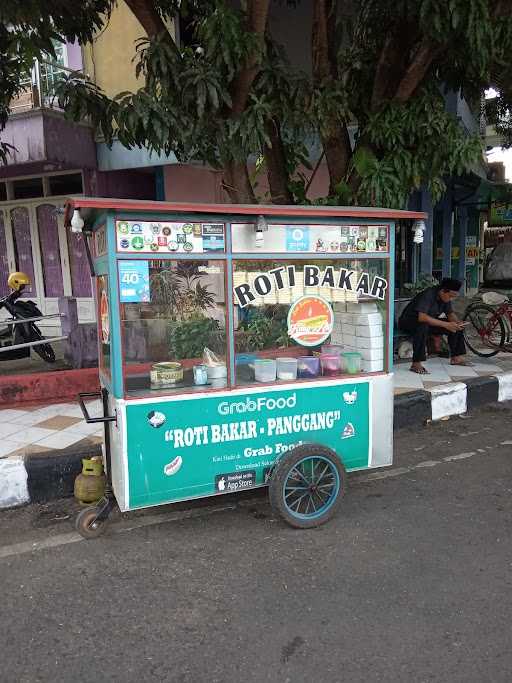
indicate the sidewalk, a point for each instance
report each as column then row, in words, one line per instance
column 441, row 372
column 43, row 428
column 41, row 447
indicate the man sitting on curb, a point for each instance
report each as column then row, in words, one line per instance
column 421, row 318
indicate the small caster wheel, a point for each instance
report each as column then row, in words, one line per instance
column 88, row 525
column 307, row 486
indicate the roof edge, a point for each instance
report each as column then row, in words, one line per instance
column 240, row 209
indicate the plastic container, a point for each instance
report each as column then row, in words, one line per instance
column 331, row 364
column 245, row 358
column 336, row 349
column 200, row 374
column 308, row 367
column 352, row 362
column 216, row 371
column 265, row 369
column 287, row 368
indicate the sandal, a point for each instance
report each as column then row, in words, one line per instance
column 420, row 371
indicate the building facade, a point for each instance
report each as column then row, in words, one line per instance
column 55, row 158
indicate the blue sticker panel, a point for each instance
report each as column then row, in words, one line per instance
column 213, row 242
column 297, row 238
column 134, row 281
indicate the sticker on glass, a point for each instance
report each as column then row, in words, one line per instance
column 297, row 238
column 310, row 320
column 123, row 228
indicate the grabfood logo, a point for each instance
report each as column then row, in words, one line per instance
column 255, row 405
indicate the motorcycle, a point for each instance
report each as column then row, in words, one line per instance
column 21, row 333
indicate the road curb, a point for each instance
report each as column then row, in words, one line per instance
column 413, row 408
column 42, row 477
column 52, row 474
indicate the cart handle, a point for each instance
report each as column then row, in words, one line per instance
column 83, row 408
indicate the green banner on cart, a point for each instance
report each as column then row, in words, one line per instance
column 208, row 444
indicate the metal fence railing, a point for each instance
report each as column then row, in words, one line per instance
column 46, row 340
column 39, row 87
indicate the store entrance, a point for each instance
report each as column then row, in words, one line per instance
column 33, row 240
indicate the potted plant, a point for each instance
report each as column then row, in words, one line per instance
column 181, row 328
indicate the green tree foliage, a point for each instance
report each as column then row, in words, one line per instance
column 231, row 98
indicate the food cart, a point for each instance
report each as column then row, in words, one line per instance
column 240, row 346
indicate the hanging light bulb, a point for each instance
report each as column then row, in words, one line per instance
column 260, row 227
column 77, row 222
column 419, row 228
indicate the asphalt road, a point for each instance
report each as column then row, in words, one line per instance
column 410, row 582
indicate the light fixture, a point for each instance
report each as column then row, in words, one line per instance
column 77, row 222
column 260, row 227
column 419, row 228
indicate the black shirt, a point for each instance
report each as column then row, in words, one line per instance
column 427, row 302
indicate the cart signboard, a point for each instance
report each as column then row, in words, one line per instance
column 181, row 449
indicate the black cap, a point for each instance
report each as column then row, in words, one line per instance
column 449, row 284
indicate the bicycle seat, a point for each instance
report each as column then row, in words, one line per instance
column 494, row 298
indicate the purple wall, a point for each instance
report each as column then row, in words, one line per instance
column 26, row 134
column 69, row 143
column 47, row 136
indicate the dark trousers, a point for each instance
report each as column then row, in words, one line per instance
column 420, row 332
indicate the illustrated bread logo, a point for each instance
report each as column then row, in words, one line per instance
column 310, row 320
column 174, row 466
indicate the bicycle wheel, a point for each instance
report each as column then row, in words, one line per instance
column 486, row 334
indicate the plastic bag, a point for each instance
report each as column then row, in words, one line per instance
column 210, row 359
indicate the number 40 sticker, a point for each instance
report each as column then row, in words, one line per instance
column 133, row 281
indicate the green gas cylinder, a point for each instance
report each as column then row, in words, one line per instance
column 90, row 484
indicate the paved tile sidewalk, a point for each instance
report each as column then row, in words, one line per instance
column 442, row 372
column 46, row 427
column 57, row 426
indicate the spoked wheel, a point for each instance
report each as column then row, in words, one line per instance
column 486, row 334
column 88, row 525
column 307, row 486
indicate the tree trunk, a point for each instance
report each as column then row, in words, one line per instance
column 148, row 17
column 236, row 183
column 257, row 12
column 338, row 152
column 276, row 165
column 334, row 132
column 416, row 70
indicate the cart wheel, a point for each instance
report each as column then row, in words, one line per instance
column 307, row 486
column 88, row 525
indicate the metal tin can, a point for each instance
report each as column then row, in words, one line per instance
column 166, row 374
column 200, row 374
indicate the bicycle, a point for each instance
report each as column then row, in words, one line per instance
column 490, row 325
